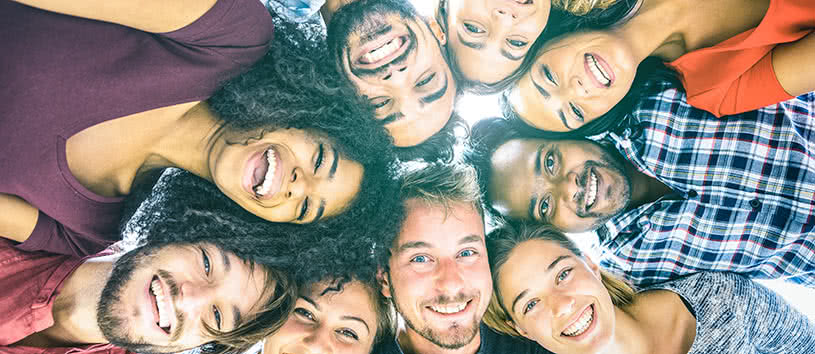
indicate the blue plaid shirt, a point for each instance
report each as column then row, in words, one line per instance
column 744, row 192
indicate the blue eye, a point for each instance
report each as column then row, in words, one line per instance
column 467, row 253
column 304, row 313
column 348, row 333
column 426, row 80
column 543, row 208
column 529, row 306
column 207, row 266
column 472, row 29
column 564, row 274
column 550, row 162
column 549, row 75
column 516, row 43
column 420, row 259
column 217, row 315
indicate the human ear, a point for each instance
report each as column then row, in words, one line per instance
column 382, row 278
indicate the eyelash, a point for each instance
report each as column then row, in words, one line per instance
column 549, row 76
column 516, row 43
column 530, row 305
column 304, row 209
column 320, row 154
column 576, row 111
column 382, row 104
column 473, row 253
column 563, row 275
column 543, row 209
column 426, row 81
column 414, row 259
column 217, row 315
column 305, row 313
column 473, row 29
column 206, row 262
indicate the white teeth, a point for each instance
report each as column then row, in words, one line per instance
column 264, row 188
column 163, row 306
column 581, row 325
column 597, row 71
column 591, row 193
column 383, row 51
column 448, row 309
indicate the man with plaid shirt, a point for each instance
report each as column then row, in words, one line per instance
column 690, row 192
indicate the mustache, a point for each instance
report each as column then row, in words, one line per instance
column 446, row 300
column 174, row 292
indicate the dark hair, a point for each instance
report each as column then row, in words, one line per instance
column 440, row 146
column 291, row 88
column 504, row 239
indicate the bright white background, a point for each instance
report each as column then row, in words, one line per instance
column 473, row 108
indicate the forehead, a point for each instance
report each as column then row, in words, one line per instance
column 351, row 299
column 527, row 262
column 438, row 226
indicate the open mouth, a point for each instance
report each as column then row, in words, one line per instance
column 591, row 190
column 451, row 308
column 382, row 51
column 162, row 305
column 581, row 324
column 264, row 173
column 598, row 69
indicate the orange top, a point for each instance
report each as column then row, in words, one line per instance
column 737, row 75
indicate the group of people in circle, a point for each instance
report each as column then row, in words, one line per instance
column 292, row 176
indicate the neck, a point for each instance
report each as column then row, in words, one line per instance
column 655, row 29
column 75, row 305
column 644, row 188
column 630, row 336
column 413, row 343
column 187, row 145
column 657, row 322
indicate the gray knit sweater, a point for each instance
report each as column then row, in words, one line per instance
column 737, row 315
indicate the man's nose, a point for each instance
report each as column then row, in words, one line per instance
column 194, row 300
column 569, row 189
column 396, row 73
column 448, row 277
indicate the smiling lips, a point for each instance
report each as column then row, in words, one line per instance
column 385, row 50
column 163, row 306
column 591, row 190
column 264, row 174
column 599, row 70
column 581, row 324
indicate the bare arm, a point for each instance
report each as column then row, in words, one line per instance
column 147, row 15
column 794, row 66
column 17, row 219
column 330, row 7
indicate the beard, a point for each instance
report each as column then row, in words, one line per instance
column 365, row 18
column 110, row 312
column 457, row 336
column 613, row 161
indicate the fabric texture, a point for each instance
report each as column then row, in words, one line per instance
column 63, row 74
column 29, row 283
column 735, row 315
column 744, row 192
column 491, row 343
column 737, row 75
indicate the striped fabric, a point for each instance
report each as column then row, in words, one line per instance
column 744, row 196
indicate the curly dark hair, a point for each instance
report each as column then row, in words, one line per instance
column 291, row 88
column 183, row 208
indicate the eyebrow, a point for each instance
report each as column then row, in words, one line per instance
column 473, row 45
column 546, row 96
column 312, row 302
column 392, row 118
column 469, row 239
column 320, row 210
column 548, row 269
column 225, row 260
column 236, row 317
column 414, row 244
column 435, row 96
column 510, row 56
column 333, row 169
column 354, row 318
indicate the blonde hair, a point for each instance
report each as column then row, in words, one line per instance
column 504, row 239
column 439, row 184
column 582, row 7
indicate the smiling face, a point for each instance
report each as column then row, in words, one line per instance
column 439, row 278
column 158, row 300
column 573, row 185
column 328, row 321
column 394, row 59
column 491, row 37
column 576, row 78
column 286, row 175
column 556, row 298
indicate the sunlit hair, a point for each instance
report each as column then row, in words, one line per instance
column 438, row 184
column 504, row 239
column 438, row 147
column 582, row 7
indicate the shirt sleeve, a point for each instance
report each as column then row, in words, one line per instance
column 51, row 236
column 774, row 325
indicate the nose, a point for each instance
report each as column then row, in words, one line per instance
column 561, row 305
column 578, row 86
column 504, row 13
column 395, row 73
column 298, row 184
column 569, row 187
column 448, row 277
column 318, row 342
column 194, row 300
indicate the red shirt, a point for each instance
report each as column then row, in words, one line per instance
column 737, row 75
column 29, row 283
